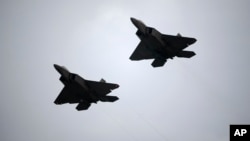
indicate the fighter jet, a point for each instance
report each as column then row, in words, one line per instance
column 82, row 91
column 160, row 47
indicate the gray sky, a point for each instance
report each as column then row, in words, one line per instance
column 187, row 99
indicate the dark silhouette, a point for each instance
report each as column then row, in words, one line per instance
column 84, row 92
column 159, row 47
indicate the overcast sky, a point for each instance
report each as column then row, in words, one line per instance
column 186, row 100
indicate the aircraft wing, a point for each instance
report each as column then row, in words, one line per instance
column 177, row 42
column 66, row 96
column 101, row 88
column 141, row 52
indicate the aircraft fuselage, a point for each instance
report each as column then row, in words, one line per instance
column 152, row 40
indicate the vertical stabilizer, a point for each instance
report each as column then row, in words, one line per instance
column 102, row 80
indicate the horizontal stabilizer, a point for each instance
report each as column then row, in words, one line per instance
column 186, row 54
column 109, row 98
column 158, row 62
column 82, row 106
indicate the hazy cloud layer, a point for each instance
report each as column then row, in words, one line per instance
column 187, row 99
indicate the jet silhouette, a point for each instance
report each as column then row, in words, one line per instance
column 157, row 46
column 82, row 91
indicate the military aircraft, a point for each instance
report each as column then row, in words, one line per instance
column 160, row 47
column 82, row 91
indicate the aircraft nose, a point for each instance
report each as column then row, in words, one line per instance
column 133, row 20
column 57, row 67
